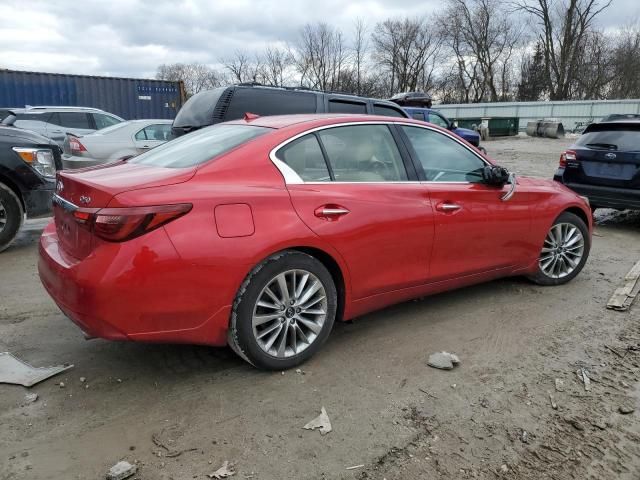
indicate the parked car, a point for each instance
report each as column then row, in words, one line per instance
column 56, row 122
column 231, row 103
column 620, row 116
column 260, row 233
column 122, row 140
column 28, row 164
column 437, row 118
column 604, row 165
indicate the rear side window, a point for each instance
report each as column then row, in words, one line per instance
column 200, row 146
column 340, row 106
column 71, row 120
column 263, row 101
column 304, row 156
column 363, row 153
column 104, row 121
column 387, row 111
column 618, row 139
column 160, row 132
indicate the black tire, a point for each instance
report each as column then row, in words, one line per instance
column 541, row 278
column 12, row 213
column 241, row 337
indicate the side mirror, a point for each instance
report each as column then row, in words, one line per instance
column 454, row 125
column 495, row 176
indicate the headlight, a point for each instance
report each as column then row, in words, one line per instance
column 41, row 159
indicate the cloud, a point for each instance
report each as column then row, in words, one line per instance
column 132, row 37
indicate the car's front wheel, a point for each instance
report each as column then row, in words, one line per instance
column 11, row 216
column 283, row 312
column 564, row 252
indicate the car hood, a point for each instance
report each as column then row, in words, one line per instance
column 26, row 135
column 467, row 132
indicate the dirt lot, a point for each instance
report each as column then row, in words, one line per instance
column 181, row 411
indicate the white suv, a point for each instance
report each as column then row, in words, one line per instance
column 56, row 122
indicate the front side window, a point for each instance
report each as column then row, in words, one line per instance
column 200, row 146
column 305, row 157
column 104, row 121
column 438, row 120
column 442, row 158
column 418, row 116
column 363, row 153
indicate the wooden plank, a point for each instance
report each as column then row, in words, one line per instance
column 623, row 297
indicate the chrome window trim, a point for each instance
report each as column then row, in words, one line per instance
column 65, row 204
column 292, row 178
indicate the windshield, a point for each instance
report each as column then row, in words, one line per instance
column 615, row 139
column 199, row 146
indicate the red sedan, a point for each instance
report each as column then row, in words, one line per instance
column 259, row 233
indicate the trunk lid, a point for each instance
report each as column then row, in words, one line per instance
column 91, row 189
column 607, row 155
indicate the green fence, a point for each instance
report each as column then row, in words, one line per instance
column 498, row 126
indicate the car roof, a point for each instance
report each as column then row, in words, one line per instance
column 283, row 121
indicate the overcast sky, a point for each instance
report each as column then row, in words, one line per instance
column 132, row 37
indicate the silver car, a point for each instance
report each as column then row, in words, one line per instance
column 56, row 122
column 113, row 143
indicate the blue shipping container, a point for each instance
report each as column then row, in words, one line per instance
column 129, row 98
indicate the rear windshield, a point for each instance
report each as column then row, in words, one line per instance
column 199, row 146
column 626, row 140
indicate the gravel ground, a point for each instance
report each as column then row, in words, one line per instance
column 180, row 411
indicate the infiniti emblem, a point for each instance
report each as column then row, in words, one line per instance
column 85, row 200
column 610, row 156
column 59, row 186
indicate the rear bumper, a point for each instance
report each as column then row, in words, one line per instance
column 70, row 162
column 138, row 291
column 605, row 197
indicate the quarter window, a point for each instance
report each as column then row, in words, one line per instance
column 442, row 158
column 363, row 153
column 304, row 156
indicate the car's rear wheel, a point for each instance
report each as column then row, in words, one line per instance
column 283, row 312
column 564, row 252
column 11, row 216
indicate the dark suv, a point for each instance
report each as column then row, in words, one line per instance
column 604, row 165
column 28, row 165
column 231, row 103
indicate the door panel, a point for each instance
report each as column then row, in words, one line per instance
column 386, row 236
column 483, row 234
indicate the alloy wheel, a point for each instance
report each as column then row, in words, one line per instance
column 289, row 313
column 3, row 216
column 562, row 251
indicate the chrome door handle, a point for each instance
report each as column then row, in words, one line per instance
column 448, row 207
column 330, row 212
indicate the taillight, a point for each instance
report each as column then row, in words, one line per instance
column 567, row 156
column 76, row 146
column 121, row 224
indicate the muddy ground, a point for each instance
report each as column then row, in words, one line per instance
column 179, row 412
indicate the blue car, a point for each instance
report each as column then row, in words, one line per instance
column 437, row 118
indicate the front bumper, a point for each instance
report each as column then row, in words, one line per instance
column 37, row 201
column 139, row 291
column 605, row 197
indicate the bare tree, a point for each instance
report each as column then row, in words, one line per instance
column 320, row 56
column 487, row 34
column 243, row 67
column 626, row 64
column 195, row 76
column 360, row 48
column 564, row 27
column 274, row 66
column 407, row 52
